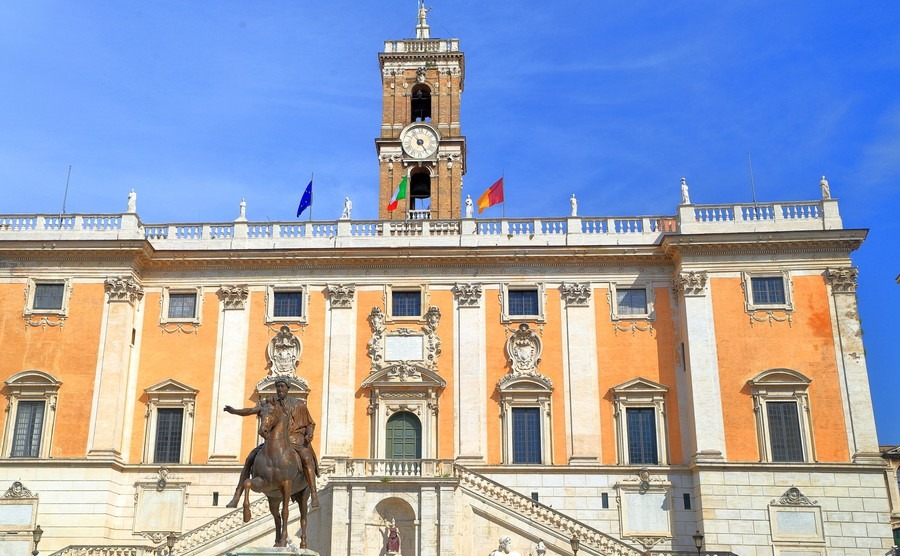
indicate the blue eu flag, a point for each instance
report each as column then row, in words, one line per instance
column 306, row 200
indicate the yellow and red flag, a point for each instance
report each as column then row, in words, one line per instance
column 493, row 196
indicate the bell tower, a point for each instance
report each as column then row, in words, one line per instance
column 422, row 83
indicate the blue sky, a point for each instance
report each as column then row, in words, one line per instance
column 199, row 104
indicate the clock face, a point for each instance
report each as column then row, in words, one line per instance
column 420, row 141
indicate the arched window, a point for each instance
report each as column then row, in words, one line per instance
column 404, row 436
column 420, row 104
column 31, row 414
column 420, row 191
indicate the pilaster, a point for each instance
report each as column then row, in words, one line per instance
column 338, row 385
column 702, row 365
column 470, row 368
column 230, row 373
column 340, row 521
column 580, row 364
column 851, row 362
column 113, row 376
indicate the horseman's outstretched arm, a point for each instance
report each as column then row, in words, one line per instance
column 243, row 412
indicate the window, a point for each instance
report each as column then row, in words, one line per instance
column 181, row 305
column 286, row 304
column 525, row 418
column 522, row 302
column 27, row 436
column 420, row 103
column 406, row 304
column 641, row 426
column 640, row 414
column 169, row 429
column 526, row 432
column 406, row 301
column 404, row 436
column 32, row 398
column 47, row 297
column 168, row 435
column 781, row 405
column 766, row 291
column 631, row 302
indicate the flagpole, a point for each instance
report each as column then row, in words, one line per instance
column 311, row 176
column 503, row 177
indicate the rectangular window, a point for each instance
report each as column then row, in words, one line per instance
column 604, row 500
column 641, row 424
column 687, row 500
column 631, row 302
column 768, row 290
column 406, row 304
column 523, row 303
column 182, row 305
column 784, row 431
column 288, row 304
column 526, row 431
column 168, row 435
column 48, row 297
column 27, row 435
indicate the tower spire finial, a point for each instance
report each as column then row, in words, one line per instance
column 422, row 29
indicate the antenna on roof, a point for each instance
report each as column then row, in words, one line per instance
column 66, row 194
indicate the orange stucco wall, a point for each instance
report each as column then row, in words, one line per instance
column 805, row 345
column 623, row 355
column 67, row 352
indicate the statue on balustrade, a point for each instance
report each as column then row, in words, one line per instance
column 284, row 466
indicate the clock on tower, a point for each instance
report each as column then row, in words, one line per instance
column 422, row 83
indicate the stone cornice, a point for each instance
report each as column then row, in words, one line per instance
column 764, row 242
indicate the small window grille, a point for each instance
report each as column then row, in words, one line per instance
column 523, row 302
column 288, row 304
column 182, row 305
column 631, row 301
column 406, row 304
column 768, row 290
column 48, row 297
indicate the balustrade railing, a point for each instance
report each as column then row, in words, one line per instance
column 86, row 550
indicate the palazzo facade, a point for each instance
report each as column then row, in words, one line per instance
column 629, row 381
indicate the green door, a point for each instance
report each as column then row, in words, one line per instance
column 404, row 436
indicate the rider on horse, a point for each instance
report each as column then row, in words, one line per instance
column 301, row 435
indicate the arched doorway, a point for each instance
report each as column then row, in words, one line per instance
column 404, row 436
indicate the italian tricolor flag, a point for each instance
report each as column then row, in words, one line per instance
column 399, row 194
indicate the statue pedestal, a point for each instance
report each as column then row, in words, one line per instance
column 272, row 551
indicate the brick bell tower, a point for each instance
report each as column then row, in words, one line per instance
column 422, row 83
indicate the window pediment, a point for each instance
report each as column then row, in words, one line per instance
column 640, row 385
column 170, row 386
column 404, row 374
column 33, row 380
column 525, row 383
column 780, row 378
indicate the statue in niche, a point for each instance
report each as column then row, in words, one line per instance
column 504, row 549
column 393, row 539
column 284, row 352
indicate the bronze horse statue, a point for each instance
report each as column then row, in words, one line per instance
column 277, row 472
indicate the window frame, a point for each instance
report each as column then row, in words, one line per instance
column 169, row 394
column 747, row 282
column 526, row 391
column 31, row 291
column 782, row 385
column 540, row 290
column 649, row 293
column 640, row 393
column 164, row 317
column 272, row 290
column 31, row 386
column 424, row 301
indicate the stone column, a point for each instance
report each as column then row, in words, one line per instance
column 113, row 377
column 338, row 380
column 428, row 521
column 340, row 521
column 357, row 530
column 470, row 369
column 702, row 363
column 851, row 363
column 229, row 380
column 447, row 531
column 580, row 365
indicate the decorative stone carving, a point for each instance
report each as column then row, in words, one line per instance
column 576, row 295
column 793, row 497
column 284, row 353
column 468, row 295
column 234, row 297
column 842, row 280
column 691, row 283
column 17, row 491
column 420, row 75
column 340, row 296
column 123, row 288
column 404, row 370
column 523, row 348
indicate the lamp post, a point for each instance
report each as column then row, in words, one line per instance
column 576, row 544
column 698, row 541
column 170, row 542
column 36, row 537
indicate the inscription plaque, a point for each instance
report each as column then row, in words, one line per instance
column 404, row 348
